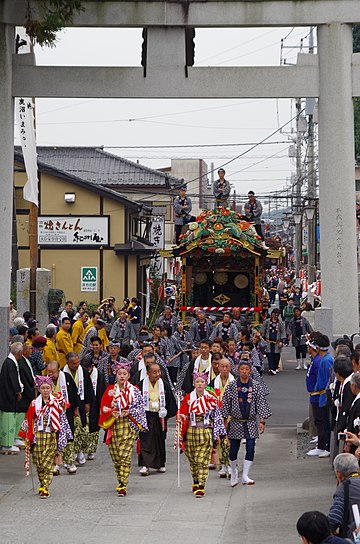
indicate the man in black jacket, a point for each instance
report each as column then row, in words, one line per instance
column 63, row 383
column 86, row 398
column 27, row 378
column 11, row 390
column 98, row 384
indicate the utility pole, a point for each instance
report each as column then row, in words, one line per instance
column 298, row 226
column 311, row 175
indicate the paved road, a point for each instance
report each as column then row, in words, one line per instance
column 288, row 397
column 85, row 509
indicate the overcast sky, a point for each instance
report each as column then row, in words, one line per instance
column 85, row 122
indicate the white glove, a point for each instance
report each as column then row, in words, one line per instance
column 162, row 413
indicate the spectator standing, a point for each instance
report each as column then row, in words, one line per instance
column 346, row 468
column 68, row 308
column 12, row 314
column 321, row 389
column 122, row 330
column 299, row 327
column 135, row 315
column 11, row 389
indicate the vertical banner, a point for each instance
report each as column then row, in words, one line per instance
column 25, row 121
column 147, row 309
column 157, row 237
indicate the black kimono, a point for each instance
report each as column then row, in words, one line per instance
column 9, row 387
column 95, row 405
column 72, row 399
column 152, row 442
column 27, row 379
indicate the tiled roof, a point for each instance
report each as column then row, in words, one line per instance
column 96, row 188
column 95, row 165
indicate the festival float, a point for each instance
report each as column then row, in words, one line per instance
column 223, row 263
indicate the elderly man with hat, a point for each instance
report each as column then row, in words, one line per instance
column 182, row 211
column 221, row 190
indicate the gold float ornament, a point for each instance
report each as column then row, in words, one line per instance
column 218, row 226
column 200, row 278
column 241, row 281
column 221, row 299
column 220, row 250
column 220, row 278
column 192, row 226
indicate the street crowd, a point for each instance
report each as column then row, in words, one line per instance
column 108, row 371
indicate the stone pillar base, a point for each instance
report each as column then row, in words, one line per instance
column 43, row 284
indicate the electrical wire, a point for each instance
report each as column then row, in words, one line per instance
column 253, row 147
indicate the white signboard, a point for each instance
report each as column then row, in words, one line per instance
column 73, row 231
column 157, row 237
column 89, row 276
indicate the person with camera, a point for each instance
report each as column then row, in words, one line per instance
column 347, row 494
column 107, row 312
column 182, row 209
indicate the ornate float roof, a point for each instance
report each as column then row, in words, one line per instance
column 222, row 232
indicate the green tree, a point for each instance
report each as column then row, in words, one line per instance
column 50, row 17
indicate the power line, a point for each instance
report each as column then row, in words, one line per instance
column 188, row 145
column 253, row 147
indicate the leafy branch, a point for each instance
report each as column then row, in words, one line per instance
column 51, row 17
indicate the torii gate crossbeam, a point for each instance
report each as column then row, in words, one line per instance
column 333, row 75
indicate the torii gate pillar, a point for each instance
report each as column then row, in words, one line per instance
column 338, row 244
column 7, row 36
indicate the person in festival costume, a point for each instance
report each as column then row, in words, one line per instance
column 202, row 363
column 200, row 328
column 122, row 414
column 91, row 439
column 160, row 405
column 46, row 432
column 64, row 344
column 63, row 383
column 78, row 332
column 201, row 426
column 273, row 330
column 244, row 402
column 219, row 385
column 86, row 399
column 97, row 356
column 106, row 366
